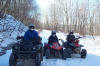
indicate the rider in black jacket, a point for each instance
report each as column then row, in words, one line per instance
column 53, row 38
column 70, row 37
column 70, row 41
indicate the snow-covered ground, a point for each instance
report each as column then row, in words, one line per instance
column 93, row 57
column 92, row 46
column 4, row 60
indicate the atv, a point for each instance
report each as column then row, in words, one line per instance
column 52, row 51
column 24, row 50
column 74, row 48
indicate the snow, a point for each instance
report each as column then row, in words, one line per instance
column 92, row 46
column 10, row 28
column 0, row 49
column 91, row 60
column 4, row 60
column 46, row 33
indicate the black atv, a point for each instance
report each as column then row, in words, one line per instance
column 74, row 48
column 24, row 51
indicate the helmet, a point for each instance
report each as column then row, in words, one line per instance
column 53, row 32
column 71, row 32
column 32, row 26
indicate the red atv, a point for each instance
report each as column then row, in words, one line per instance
column 74, row 48
column 52, row 51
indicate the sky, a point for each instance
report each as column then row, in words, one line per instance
column 45, row 3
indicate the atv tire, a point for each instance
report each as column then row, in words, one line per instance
column 38, row 60
column 38, row 64
column 42, row 51
column 67, row 53
column 47, row 54
column 12, row 60
column 83, row 53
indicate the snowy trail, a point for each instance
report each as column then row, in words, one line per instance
column 92, row 46
column 4, row 60
column 91, row 60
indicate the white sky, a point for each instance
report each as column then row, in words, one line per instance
column 45, row 3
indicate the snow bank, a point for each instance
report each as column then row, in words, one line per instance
column 9, row 29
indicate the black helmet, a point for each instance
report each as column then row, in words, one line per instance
column 53, row 32
column 32, row 26
column 71, row 32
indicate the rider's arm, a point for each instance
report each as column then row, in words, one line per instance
column 73, row 36
column 50, row 40
column 68, row 38
column 57, row 39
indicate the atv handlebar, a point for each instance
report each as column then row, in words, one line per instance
column 20, row 38
column 78, row 38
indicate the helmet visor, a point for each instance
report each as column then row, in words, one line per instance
column 31, row 27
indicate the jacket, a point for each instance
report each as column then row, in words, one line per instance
column 31, row 35
column 52, row 39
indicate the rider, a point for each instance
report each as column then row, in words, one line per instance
column 31, row 34
column 70, row 40
column 53, row 38
column 70, row 37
